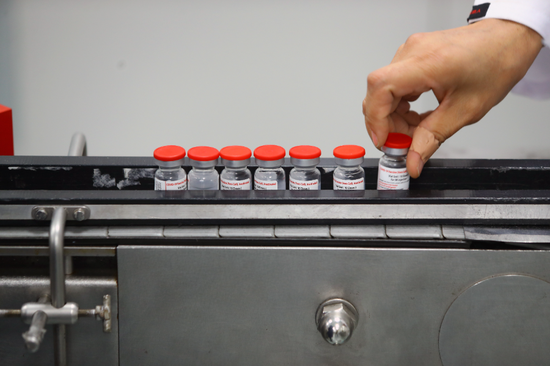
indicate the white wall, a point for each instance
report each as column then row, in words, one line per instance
column 137, row 74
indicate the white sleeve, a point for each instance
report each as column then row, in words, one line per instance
column 534, row 14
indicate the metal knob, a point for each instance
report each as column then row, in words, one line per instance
column 33, row 337
column 336, row 320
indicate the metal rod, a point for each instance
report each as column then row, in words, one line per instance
column 57, row 258
column 68, row 264
column 86, row 313
column 60, row 345
column 10, row 313
column 69, row 251
column 78, row 145
column 57, row 280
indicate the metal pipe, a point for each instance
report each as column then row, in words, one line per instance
column 57, row 280
column 68, row 264
column 77, row 148
column 78, row 145
column 60, row 345
column 57, row 259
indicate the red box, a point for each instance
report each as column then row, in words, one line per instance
column 6, row 131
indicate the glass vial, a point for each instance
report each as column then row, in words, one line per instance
column 348, row 175
column 170, row 176
column 235, row 176
column 269, row 175
column 305, row 175
column 203, row 176
column 392, row 169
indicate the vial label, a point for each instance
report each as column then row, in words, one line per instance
column 235, row 185
column 170, row 185
column 348, row 185
column 301, row 185
column 392, row 178
column 265, row 185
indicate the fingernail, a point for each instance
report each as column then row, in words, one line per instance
column 420, row 167
column 374, row 139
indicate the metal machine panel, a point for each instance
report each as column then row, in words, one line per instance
column 87, row 344
column 257, row 305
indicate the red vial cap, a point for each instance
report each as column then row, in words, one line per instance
column 398, row 141
column 203, row 153
column 235, row 153
column 305, row 152
column 269, row 152
column 169, row 153
column 349, row 152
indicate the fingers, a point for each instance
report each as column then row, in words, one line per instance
column 388, row 90
column 435, row 127
column 403, row 107
column 415, row 164
column 423, row 146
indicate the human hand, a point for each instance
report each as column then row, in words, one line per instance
column 469, row 69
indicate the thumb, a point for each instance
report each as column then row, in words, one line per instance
column 428, row 137
column 424, row 145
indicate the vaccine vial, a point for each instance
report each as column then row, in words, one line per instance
column 269, row 175
column 392, row 169
column 170, row 176
column 305, row 175
column 203, row 176
column 348, row 174
column 235, row 176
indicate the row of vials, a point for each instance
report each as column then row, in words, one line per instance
column 348, row 175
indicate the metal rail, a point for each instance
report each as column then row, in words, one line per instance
column 290, row 212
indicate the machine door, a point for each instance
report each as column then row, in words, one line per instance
column 261, row 306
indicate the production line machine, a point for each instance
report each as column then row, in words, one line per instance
column 453, row 272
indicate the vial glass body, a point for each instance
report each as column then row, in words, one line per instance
column 269, row 179
column 168, row 179
column 203, row 179
column 392, row 173
column 236, row 179
column 348, row 178
column 305, row 178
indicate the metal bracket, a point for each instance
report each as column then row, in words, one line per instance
column 74, row 213
column 68, row 314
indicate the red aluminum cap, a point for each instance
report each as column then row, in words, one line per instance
column 305, row 152
column 235, row 153
column 269, row 152
column 203, row 153
column 398, row 141
column 169, row 153
column 349, row 152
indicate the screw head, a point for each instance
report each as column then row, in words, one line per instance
column 79, row 214
column 41, row 214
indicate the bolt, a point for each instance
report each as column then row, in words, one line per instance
column 41, row 214
column 336, row 321
column 79, row 214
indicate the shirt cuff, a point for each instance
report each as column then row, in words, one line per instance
column 534, row 14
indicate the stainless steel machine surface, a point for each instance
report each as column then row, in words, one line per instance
column 455, row 271
column 257, row 305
